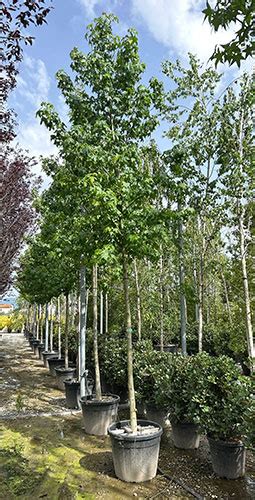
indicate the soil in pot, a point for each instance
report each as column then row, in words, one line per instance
column 228, row 458
column 48, row 354
column 54, row 363
column 157, row 415
column 62, row 374
column 72, row 388
column 185, row 435
column 99, row 414
column 135, row 457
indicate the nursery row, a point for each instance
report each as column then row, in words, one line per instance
column 194, row 395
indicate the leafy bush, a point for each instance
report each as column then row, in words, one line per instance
column 182, row 388
column 5, row 321
column 113, row 359
column 228, row 398
column 150, row 369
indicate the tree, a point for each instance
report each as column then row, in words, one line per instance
column 222, row 15
column 110, row 115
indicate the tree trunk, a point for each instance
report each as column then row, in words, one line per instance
column 138, row 302
column 249, row 330
column 59, row 327
column 240, row 205
column 51, row 326
column 34, row 320
column 200, row 227
column 46, row 327
column 38, row 322
column 101, row 313
column 161, row 304
column 82, row 364
column 128, row 325
column 41, row 334
column 66, row 330
column 183, row 307
column 106, row 313
column 96, row 357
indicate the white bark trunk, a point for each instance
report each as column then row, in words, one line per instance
column 82, row 322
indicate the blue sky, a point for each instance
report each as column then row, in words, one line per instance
column 167, row 29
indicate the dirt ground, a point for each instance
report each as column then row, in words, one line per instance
column 44, row 452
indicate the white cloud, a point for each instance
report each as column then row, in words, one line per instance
column 178, row 24
column 91, row 5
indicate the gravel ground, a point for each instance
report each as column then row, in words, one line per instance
column 61, row 462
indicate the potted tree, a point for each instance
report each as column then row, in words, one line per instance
column 229, row 398
column 183, row 392
column 150, row 369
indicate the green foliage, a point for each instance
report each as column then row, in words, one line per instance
column 228, row 396
column 221, row 15
column 183, row 389
column 113, row 356
column 151, row 369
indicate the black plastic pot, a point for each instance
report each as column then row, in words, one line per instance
column 157, row 415
column 31, row 341
column 228, row 458
column 41, row 348
column 135, row 457
column 98, row 415
column 167, row 348
column 35, row 346
column 185, row 435
column 62, row 374
column 47, row 355
column 72, row 388
column 55, row 363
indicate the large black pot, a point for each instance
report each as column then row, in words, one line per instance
column 62, row 374
column 157, row 415
column 41, row 348
column 135, row 457
column 228, row 458
column 47, row 355
column 55, row 363
column 98, row 415
column 186, row 436
column 35, row 346
column 72, row 388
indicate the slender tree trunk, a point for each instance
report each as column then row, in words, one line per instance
column 128, row 325
column 183, row 307
column 34, row 320
column 101, row 313
column 51, row 326
column 66, row 330
column 106, row 313
column 73, row 303
column 59, row 327
column 96, row 357
column 38, row 322
column 41, row 334
column 138, row 302
column 46, row 327
column 201, row 286
column 82, row 356
column 249, row 330
column 161, row 304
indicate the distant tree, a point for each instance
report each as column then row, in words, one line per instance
column 225, row 12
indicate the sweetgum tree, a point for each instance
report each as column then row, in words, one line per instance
column 110, row 113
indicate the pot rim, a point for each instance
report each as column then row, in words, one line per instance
column 226, row 443
column 134, row 438
column 62, row 369
column 96, row 402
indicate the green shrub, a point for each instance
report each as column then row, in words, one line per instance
column 228, row 398
column 150, row 369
